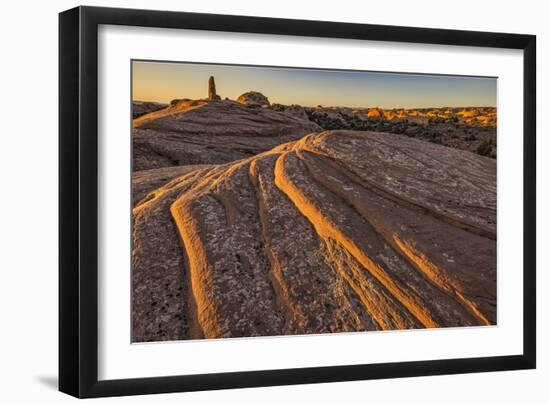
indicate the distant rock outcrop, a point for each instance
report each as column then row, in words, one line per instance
column 206, row 132
column 470, row 128
column 293, row 110
column 375, row 113
column 253, row 98
column 338, row 231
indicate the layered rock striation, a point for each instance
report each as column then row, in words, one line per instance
column 337, row 231
column 190, row 132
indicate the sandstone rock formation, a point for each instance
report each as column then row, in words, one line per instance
column 337, row 231
column 146, row 181
column 253, row 98
column 375, row 113
column 140, row 108
column 206, row 132
column 212, row 95
column 471, row 128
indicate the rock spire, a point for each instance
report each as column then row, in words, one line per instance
column 212, row 89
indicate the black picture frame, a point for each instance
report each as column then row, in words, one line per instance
column 78, row 201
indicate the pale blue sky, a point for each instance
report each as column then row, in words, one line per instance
column 160, row 81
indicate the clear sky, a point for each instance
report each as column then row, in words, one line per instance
column 163, row 82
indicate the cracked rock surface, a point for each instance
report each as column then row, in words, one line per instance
column 334, row 231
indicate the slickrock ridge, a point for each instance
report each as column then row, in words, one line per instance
column 190, row 132
column 140, row 108
column 145, row 181
column 337, row 231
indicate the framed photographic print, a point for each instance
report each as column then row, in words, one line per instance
column 251, row 201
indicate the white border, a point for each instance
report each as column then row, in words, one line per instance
column 120, row 359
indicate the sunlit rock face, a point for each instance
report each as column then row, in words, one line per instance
column 375, row 113
column 140, row 108
column 337, row 231
column 210, row 132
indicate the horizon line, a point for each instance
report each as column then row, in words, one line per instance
column 328, row 106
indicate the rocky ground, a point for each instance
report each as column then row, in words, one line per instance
column 472, row 129
column 190, row 132
column 140, row 108
column 215, row 131
column 285, row 228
